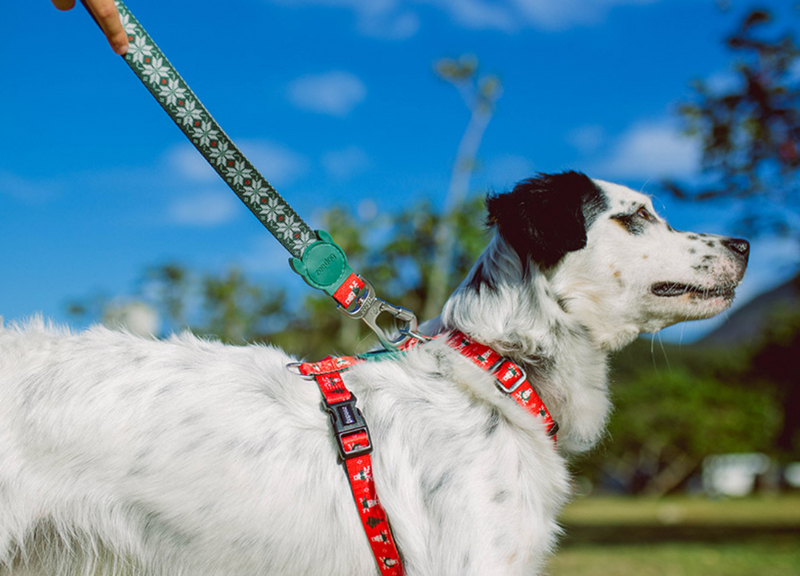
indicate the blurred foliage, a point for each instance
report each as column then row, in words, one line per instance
column 749, row 128
column 397, row 256
column 776, row 363
column 668, row 417
column 677, row 404
column 669, row 414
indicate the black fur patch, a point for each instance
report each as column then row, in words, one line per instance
column 545, row 217
column 478, row 280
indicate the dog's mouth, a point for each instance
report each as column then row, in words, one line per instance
column 673, row 289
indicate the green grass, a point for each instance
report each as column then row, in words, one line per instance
column 680, row 537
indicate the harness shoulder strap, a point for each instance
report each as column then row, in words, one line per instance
column 353, row 440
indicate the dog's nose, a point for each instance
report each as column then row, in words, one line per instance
column 738, row 246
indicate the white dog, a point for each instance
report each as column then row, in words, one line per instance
column 185, row 456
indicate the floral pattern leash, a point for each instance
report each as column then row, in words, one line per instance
column 174, row 95
column 315, row 256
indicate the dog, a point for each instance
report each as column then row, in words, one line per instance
column 120, row 454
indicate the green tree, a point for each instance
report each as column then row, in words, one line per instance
column 238, row 310
column 480, row 93
column 776, row 363
column 750, row 128
column 669, row 417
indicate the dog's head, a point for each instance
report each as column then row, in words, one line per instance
column 611, row 260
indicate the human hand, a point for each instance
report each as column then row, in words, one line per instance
column 107, row 16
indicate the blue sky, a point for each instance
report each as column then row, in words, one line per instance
column 335, row 101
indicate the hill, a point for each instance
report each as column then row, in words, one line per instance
column 746, row 323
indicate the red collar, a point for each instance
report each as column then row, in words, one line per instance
column 509, row 376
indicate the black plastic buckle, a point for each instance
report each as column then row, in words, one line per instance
column 347, row 420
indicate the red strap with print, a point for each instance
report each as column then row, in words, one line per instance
column 349, row 289
column 509, row 376
column 352, row 436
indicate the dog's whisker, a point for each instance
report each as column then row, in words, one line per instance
column 664, row 351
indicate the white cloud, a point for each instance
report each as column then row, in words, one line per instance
column 398, row 19
column 479, row 14
column 346, row 163
column 562, row 14
column 390, row 19
column 587, row 139
column 280, row 165
column 29, row 190
column 204, row 209
column 335, row 93
column 391, row 27
column 185, row 160
column 217, row 205
column 650, row 150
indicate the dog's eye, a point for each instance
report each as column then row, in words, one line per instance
column 644, row 214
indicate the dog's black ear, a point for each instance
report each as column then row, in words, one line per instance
column 545, row 217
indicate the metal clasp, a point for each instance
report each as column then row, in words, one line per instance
column 368, row 307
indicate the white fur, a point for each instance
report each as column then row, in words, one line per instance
column 120, row 454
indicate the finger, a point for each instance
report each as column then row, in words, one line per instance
column 107, row 16
column 64, row 4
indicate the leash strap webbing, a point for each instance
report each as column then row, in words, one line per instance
column 315, row 256
column 181, row 104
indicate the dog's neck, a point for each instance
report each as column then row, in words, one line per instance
column 515, row 312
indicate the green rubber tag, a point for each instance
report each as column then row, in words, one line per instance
column 323, row 265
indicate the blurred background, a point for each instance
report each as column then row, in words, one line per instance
column 385, row 123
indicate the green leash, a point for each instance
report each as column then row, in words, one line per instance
column 315, row 256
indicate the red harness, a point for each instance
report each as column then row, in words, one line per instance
column 355, row 446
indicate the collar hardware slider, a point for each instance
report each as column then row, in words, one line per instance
column 508, row 375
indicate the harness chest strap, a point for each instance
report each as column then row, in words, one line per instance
column 355, row 446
